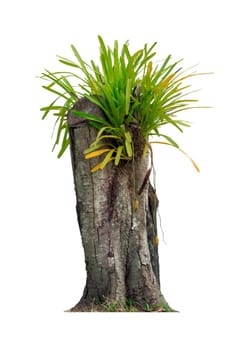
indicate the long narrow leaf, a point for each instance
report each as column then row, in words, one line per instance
column 56, row 92
column 170, row 140
column 96, row 153
column 128, row 95
column 107, row 158
column 65, row 142
column 49, row 108
column 94, row 148
column 68, row 62
column 128, row 148
column 118, row 155
column 169, row 144
column 90, row 117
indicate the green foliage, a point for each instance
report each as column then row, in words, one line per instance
column 131, row 89
column 148, row 307
column 122, row 147
column 163, row 308
column 132, row 306
column 113, row 306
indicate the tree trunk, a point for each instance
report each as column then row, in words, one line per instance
column 120, row 242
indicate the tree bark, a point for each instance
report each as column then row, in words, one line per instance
column 120, row 242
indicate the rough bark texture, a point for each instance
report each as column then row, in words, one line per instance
column 120, row 242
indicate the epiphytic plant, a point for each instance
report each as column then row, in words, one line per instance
column 135, row 93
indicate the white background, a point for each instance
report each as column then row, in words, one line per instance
column 41, row 258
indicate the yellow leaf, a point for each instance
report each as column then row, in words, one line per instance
column 96, row 153
column 149, row 68
column 169, row 144
column 194, row 164
column 167, row 80
column 96, row 168
column 100, row 165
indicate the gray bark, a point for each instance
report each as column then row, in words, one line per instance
column 121, row 252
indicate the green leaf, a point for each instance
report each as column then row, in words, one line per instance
column 56, row 92
column 64, row 148
column 65, row 142
column 128, row 148
column 170, row 140
column 83, row 67
column 59, row 81
column 162, row 69
column 68, row 62
column 49, row 108
column 109, row 137
column 69, row 86
column 94, row 148
column 95, row 125
column 61, row 127
column 52, row 108
column 128, row 137
column 101, row 131
column 118, row 155
column 90, row 117
column 107, row 158
column 128, row 95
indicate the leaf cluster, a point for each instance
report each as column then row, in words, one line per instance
column 131, row 89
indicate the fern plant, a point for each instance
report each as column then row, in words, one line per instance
column 135, row 93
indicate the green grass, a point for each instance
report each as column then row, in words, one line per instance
column 132, row 306
column 135, row 92
column 107, row 305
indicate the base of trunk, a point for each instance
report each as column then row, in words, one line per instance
column 115, row 306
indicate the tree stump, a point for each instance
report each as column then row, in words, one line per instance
column 119, row 240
